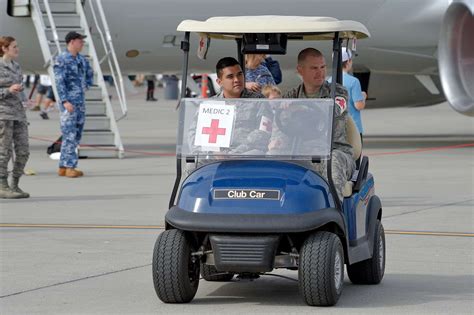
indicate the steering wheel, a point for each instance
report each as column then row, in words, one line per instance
column 300, row 121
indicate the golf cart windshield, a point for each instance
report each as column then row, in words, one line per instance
column 281, row 129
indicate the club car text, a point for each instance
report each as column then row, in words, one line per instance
column 246, row 194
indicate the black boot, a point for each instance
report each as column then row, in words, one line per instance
column 16, row 189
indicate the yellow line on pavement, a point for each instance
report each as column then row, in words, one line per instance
column 82, row 226
column 429, row 233
column 159, row 227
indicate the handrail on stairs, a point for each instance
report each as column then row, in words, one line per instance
column 110, row 54
column 51, row 22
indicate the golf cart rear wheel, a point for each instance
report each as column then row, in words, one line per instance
column 371, row 271
column 321, row 270
column 175, row 271
column 210, row 273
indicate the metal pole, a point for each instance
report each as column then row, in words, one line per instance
column 119, row 82
column 51, row 22
column 336, row 74
column 339, row 65
column 185, row 48
column 240, row 56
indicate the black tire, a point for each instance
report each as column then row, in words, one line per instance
column 321, row 269
column 210, row 273
column 175, row 271
column 371, row 271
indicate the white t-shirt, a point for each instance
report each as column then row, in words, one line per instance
column 45, row 80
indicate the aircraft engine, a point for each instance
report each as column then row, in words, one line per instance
column 456, row 56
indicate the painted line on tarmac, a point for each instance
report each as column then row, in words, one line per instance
column 82, row 226
column 169, row 153
column 429, row 233
column 98, row 147
column 75, row 280
column 448, row 147
column 438, row 206
column 159, row 227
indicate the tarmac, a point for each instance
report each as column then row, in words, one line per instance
column 84, row 245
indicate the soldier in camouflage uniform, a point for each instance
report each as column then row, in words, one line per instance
column 247, row 134
column 13, row 124
column 312, row 68
column 73, row 76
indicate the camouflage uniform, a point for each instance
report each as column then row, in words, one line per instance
column 13, row 123
column 247, row 136
column 343, row 164
column 73, row 76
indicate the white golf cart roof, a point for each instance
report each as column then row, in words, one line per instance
column 296, row 27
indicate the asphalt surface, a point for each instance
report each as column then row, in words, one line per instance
column 84, row 246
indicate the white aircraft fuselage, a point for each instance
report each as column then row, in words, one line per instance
column 403, row 43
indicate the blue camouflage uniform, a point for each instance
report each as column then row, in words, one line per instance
column 73, row 77
column 261, row 75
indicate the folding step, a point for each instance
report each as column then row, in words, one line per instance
column 95, row 108
column 62, row 32
column 62, row 43
column 58, row 1
column 97, row 123
column 63, row 20
column 60, row 7
column 97, row 138
column 94, row 93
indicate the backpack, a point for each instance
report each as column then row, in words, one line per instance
column 55, row 147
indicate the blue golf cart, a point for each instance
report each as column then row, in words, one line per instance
column 244, row 211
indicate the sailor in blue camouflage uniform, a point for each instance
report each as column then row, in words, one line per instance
column 73, row 76
column 312, row 68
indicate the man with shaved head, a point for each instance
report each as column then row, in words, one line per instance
column 312, row 69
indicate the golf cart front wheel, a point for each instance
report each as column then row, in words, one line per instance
column 321, row 270
column 175, row 271
column 371, row 271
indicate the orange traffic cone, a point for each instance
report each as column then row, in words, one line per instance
column 204, row 87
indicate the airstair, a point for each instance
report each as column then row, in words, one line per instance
column 53, row 19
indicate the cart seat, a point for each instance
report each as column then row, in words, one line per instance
column 353, row 137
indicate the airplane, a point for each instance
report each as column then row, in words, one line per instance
column 419, row 53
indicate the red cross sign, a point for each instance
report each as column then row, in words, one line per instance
column 213, row 131
column 214, row 125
